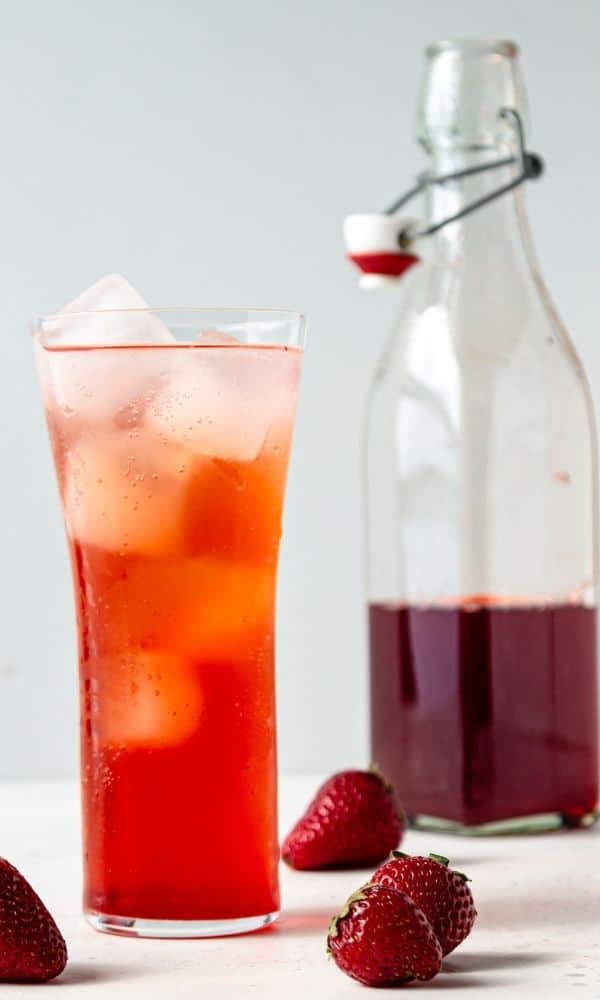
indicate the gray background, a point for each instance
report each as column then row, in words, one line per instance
column 208, row 150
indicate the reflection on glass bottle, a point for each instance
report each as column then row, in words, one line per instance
column 481, row 491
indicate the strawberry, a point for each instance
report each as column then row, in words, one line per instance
column 353, row 821
column 382, row 938
column 32, row 949
column 442, row 894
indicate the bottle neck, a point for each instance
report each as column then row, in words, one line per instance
column 488, row 229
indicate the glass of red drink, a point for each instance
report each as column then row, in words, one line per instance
column 171, row 433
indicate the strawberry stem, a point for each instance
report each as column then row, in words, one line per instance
column 389, row 788
column 374, row 770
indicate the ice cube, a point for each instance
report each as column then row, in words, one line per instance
column 222, row 401
column 216, row 338
column 224, row 611
column 125, row 493
column 201, row 609
column 279, row 436
column 71, row 327
column 94, row 390
column 104, row 385
column 145, row 699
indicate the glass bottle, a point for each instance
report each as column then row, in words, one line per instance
column 481, row 499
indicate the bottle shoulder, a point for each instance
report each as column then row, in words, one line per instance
column 447, row 325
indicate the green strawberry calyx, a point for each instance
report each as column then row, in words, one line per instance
column 445, row 862
column 376, row 772
column 440, row 859
column 389, row 788
column 334, row 925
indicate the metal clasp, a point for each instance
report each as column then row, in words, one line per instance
column 531, row 166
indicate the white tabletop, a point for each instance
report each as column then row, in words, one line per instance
column 538, row 932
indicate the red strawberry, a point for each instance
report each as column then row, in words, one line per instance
column 382, row 938
column 442, row 894
column 353, row 821
column 32, row 949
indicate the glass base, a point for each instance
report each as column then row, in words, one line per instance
column 542, row 823
column 143, row 928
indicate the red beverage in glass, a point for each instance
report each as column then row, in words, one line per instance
column 484, row 712
column 172, row 462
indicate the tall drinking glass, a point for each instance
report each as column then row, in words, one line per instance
column 171, row 432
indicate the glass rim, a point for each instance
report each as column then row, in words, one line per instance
column 483, row 46
column 289, row 326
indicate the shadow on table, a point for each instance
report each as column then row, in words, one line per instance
column 464, row 971
column 82, row 973
column 457, row 964
column 443, row 982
